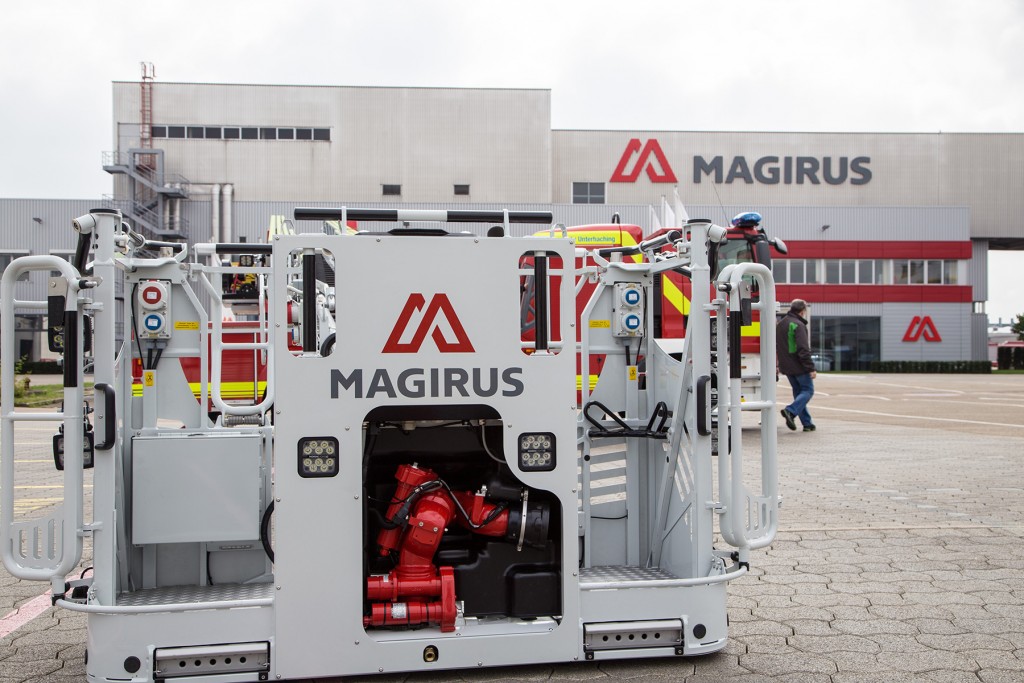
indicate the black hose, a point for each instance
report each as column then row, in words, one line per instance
column 327, row 347
column 265, row 531
column 82, row 251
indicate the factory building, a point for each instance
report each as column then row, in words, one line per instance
column 888, row 234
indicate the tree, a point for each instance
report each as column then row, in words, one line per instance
column 1018, row 327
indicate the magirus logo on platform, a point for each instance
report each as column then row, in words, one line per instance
column 418, row 320
column 439, row 310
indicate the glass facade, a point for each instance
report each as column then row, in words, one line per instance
column 845, row 342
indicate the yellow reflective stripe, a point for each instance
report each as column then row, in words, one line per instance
column 751, row 330
column 579, row 382
column 229, row 390
column 675, row 296
column 232, row 389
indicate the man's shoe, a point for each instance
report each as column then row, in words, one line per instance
column 809, row 428
column 790, row 419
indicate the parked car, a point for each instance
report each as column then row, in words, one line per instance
column 822, row 361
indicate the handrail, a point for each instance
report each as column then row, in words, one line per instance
column 47, row 563
column 217, row 346
column 735, row 528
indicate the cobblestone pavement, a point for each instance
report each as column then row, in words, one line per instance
column 899, row 555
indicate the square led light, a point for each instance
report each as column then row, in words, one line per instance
column 536, row 451
column 87, row 451
column 318, row 456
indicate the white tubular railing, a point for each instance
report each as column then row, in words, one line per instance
column 218, row 345
column 46, row 548
column 749, row 522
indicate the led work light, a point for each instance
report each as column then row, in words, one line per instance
column 318, row 456
column 537, row 452
column 87, row 451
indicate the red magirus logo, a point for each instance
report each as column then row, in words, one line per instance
column 651, row 148
column 437, row 311
column 919, row 327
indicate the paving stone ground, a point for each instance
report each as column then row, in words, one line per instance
column 899, row 555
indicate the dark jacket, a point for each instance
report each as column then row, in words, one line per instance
column 793, row 346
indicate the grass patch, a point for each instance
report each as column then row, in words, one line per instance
column 42, row 395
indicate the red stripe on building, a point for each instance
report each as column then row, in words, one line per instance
column 840, row 249
column 864, row 294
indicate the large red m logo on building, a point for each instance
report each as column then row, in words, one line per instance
column 439, row 309
column 652, row 148
column 919, row 327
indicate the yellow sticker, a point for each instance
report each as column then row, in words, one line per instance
column 632, row 373
column 186, row 324
column 149, row 378
column 600, row 323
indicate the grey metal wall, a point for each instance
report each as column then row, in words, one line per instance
column 850, row 223
column 21, row 234
column 425, row 139
column 953, row 322
column 977, row 270
column 981, row 171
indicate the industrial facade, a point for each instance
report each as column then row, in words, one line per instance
column 888, row 234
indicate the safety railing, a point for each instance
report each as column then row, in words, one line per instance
column 46, row 548
column 749, row 521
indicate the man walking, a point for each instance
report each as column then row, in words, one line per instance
column 793, row 348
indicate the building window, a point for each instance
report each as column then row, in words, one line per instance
column 323, row 134
column 391, row 190
column 232, row 133
column 285, row 133
column 867, row 272
column 213, row 132
column 303, row 133
column 175, row 131
column 462, row 190
column 950, row 272
column 195, row 131
column 158, row 131
column 5, row 260
column 250, row 133
column 780, row 271
column 831, row 272
column 588, row 193
column 268, row 133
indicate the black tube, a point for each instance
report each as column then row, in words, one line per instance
column 265, row 531
column 309, row 303
column 82, row 251
column 396, row 215
column 735, row 340
column 327, row 347
column 540, row 303
column 241, row 248
column 661, row 240
column 70, row 349
column 154, row 244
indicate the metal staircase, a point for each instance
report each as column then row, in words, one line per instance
column 151, row 200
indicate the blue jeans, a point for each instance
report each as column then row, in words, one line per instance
column 803, row 389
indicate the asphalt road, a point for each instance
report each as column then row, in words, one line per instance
column 899, row 555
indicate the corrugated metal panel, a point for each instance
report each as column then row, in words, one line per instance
column 953, row 322
column 21, row 234
column 982, row 171
column 979, row 336
column 853, row 223
column 425, row 139
column 977, row 270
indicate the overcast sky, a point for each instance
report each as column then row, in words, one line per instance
column 757, row 65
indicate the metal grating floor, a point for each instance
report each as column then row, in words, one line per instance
column 177, row 595
column 616, row 573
